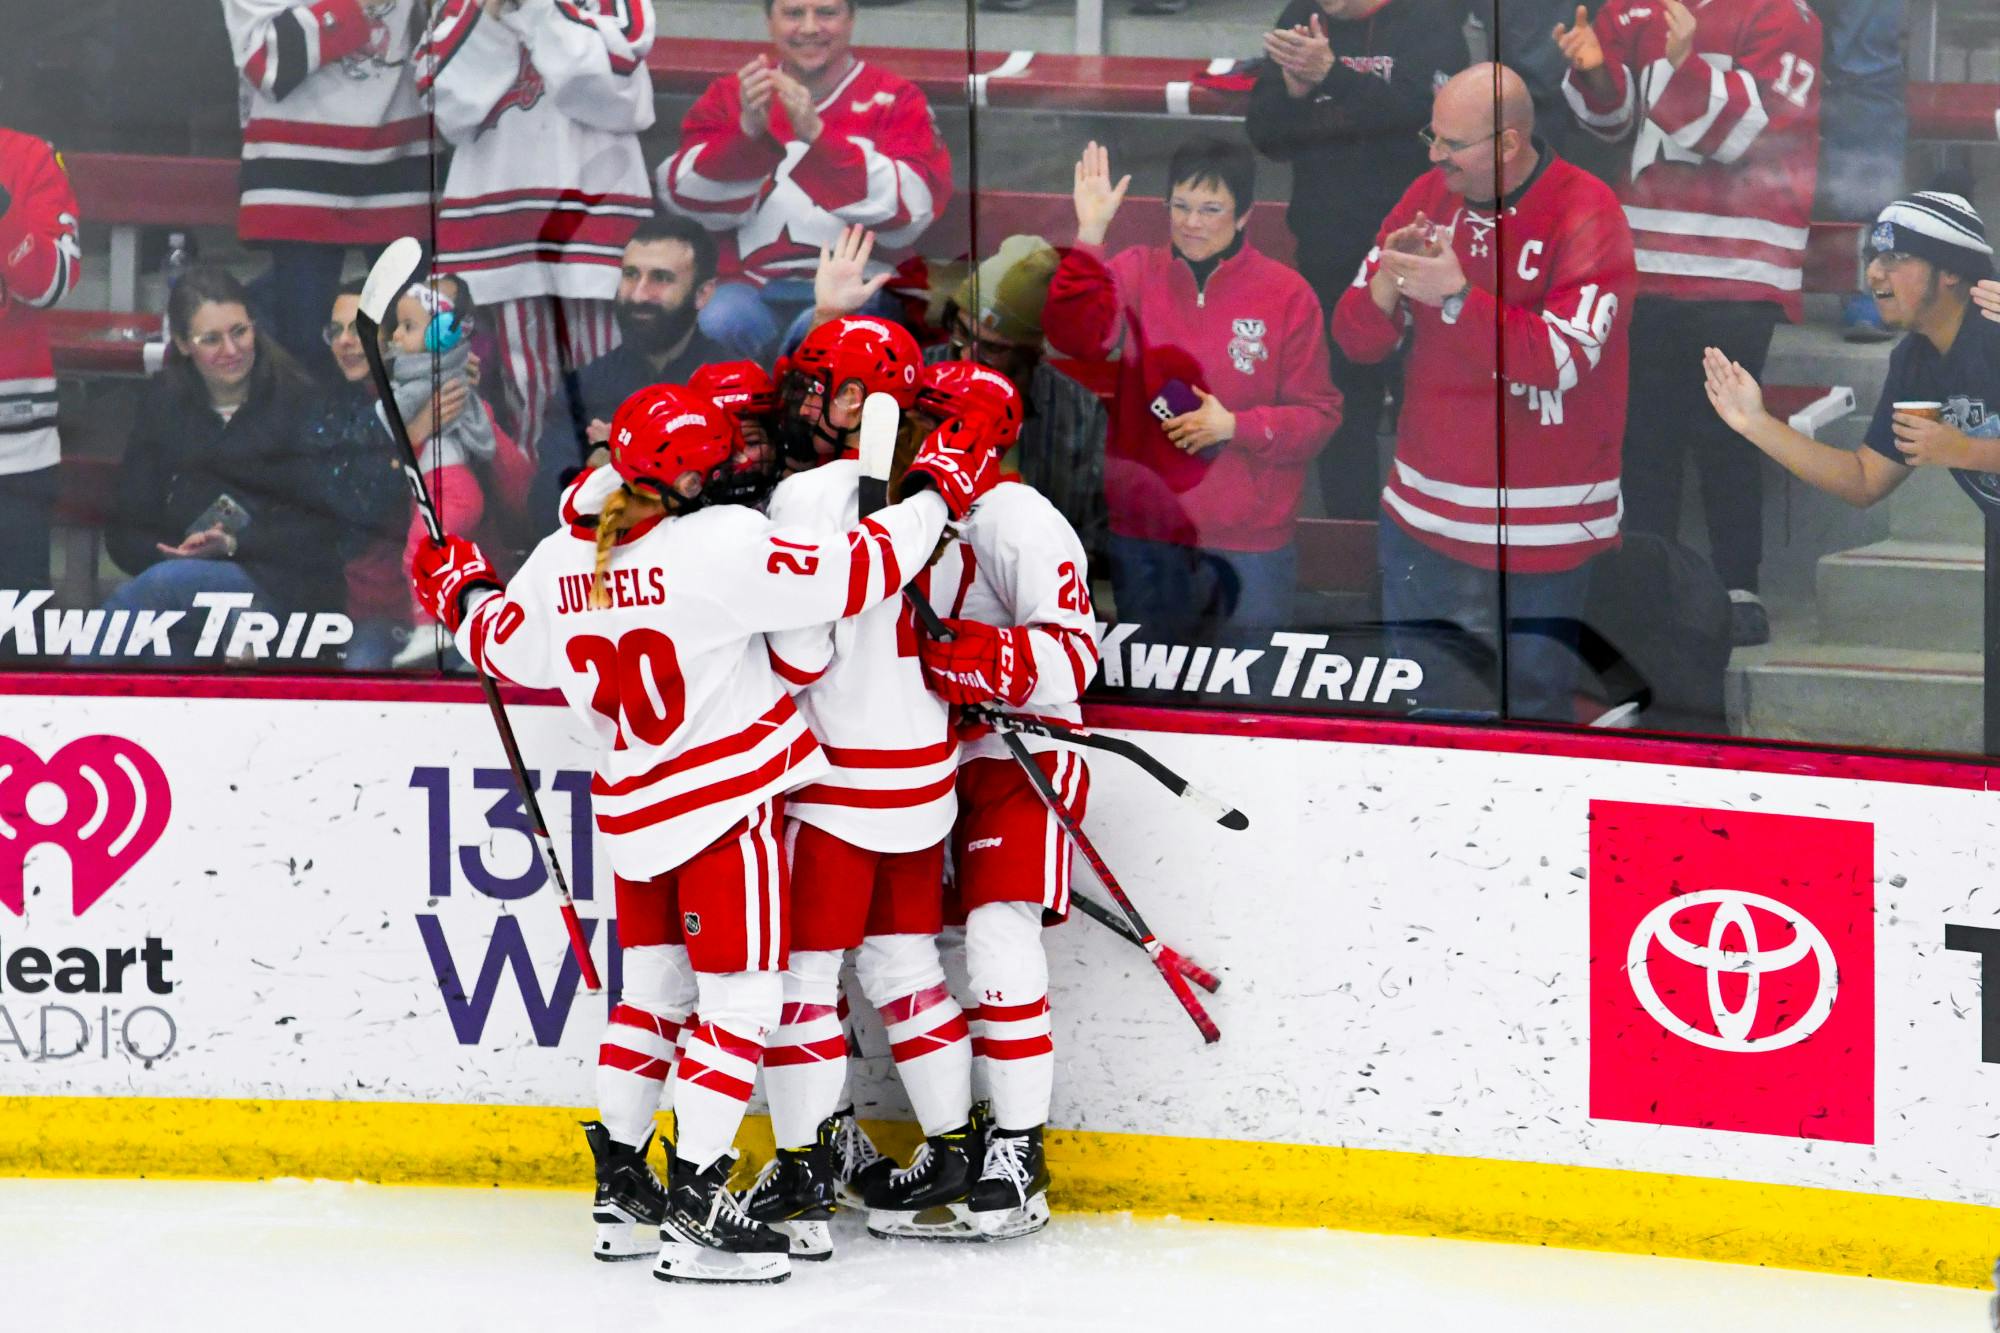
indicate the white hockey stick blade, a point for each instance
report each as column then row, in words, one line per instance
column 879, row 418
column 392, row 273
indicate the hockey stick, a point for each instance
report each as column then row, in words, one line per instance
column 879, row 416
column 1070, row 733
column 1122, row 928
column 392, row 274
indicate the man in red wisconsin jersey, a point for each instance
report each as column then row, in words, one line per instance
column 39, row 260
column 1015, row 589
column 789, row 150
column 650, row 619
column 1722, row 102
column 867, row 845
column 1509, row 271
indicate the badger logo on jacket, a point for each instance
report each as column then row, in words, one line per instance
column 1247, row 348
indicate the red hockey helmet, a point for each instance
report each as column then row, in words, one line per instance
column 740, row 388
column 664, row 432
column 953, row 389
column 883, row 356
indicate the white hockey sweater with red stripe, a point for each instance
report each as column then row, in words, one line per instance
column 879, row 162
column 1018, row 564
column 545, row 104
column 1725, row 149
column 889, row 739
column 674, row 679
column 336, row 143
column 39, row 260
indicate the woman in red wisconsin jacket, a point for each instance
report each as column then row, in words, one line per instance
column 1224, row 395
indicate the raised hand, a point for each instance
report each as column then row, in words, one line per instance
column 1680, row 32
column 756, row 82
column 1415, row 237
column 1096, row 198
column 841, row 284
column 1303, row 55
column 797, row 100
column 1732, row 391
column 1579, row 43
column 1986, row 295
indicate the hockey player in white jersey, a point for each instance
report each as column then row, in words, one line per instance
column 867, row 843
column 1015, row 591
column 650, row 621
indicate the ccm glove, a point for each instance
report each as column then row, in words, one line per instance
column 443, row 575
column 979, row 664
column 957, row 462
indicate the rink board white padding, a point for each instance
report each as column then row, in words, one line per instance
column 1422, row 950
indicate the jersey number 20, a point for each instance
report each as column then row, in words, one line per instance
column 639, row 684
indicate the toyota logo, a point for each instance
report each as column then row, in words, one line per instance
column 1733, row 912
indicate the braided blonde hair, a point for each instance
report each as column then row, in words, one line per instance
column 612, row 521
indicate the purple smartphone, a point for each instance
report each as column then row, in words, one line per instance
column 1174, row 399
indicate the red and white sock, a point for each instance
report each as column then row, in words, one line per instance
column 718, row 1069
column 637, row 1055
column 1011, row 1033
column 805, row 1066
column 903, row 979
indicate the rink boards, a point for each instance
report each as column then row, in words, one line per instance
column 1714, row 1001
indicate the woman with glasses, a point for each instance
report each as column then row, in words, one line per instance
column 219, row 492
column 1223, row 393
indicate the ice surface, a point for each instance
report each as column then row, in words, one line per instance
column 293, row 1256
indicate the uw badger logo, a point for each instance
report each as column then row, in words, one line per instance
column 102, row 799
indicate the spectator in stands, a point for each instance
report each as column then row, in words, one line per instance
column 1539, row 300
column 1929, row 249
column 219, row 491
column 1722, row 102
column 336, row 146
column 789, row 150
column 665, row 278
column 994, row 317
column 544, row 105
column 39, row 260
column 1348, row 86
column 1864, row 129
column 1517, row 36
column 1204, row 488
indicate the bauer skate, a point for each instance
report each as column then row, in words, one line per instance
column 926, row 1200
column 857, row 1163
column 705, row 1236
column 630, row 1201
column 1011, row 1197
column 794, row 1195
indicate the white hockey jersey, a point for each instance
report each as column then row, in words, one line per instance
column 1018, row 562
column 674, row 679
column 893, row 784
column 336, row 143
column 545, row 103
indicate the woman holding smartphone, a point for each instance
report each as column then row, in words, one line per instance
column 219, row 491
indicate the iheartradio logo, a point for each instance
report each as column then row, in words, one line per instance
column 102, row 799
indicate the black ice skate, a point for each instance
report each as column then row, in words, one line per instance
column 630, row 1200
column 926, row 1200
column 794, row 1195
column 857, row 1162
column 705, row 1236
column 1011, row 1197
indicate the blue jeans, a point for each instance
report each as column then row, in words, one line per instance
column 1433, row 605
column 172, row 585
column 747, row 320
column 1864, row 127
column 27, row 499
column 1184, row 590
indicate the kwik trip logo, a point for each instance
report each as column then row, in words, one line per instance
column 1732, row 971
column 102, row 801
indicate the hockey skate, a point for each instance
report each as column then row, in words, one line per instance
column 630, row 1201
column 926, row 1200
column 794, row 1195
column 857, row 1163
column 705, row 1236
column 1011, row 1197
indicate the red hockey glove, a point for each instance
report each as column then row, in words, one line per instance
column 442, row 575
column 957, row 462
column 980, row 664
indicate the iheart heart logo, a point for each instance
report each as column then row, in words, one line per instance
column 102, row 799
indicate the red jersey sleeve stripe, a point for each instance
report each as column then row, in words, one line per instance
column 857, row 574
column 892, row 570
column 791, row 674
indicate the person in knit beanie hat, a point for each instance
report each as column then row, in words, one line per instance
column 1940, row 406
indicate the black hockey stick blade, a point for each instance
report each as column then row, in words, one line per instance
column 1211, row 808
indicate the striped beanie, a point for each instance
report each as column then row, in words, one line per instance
column 1939, row 227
